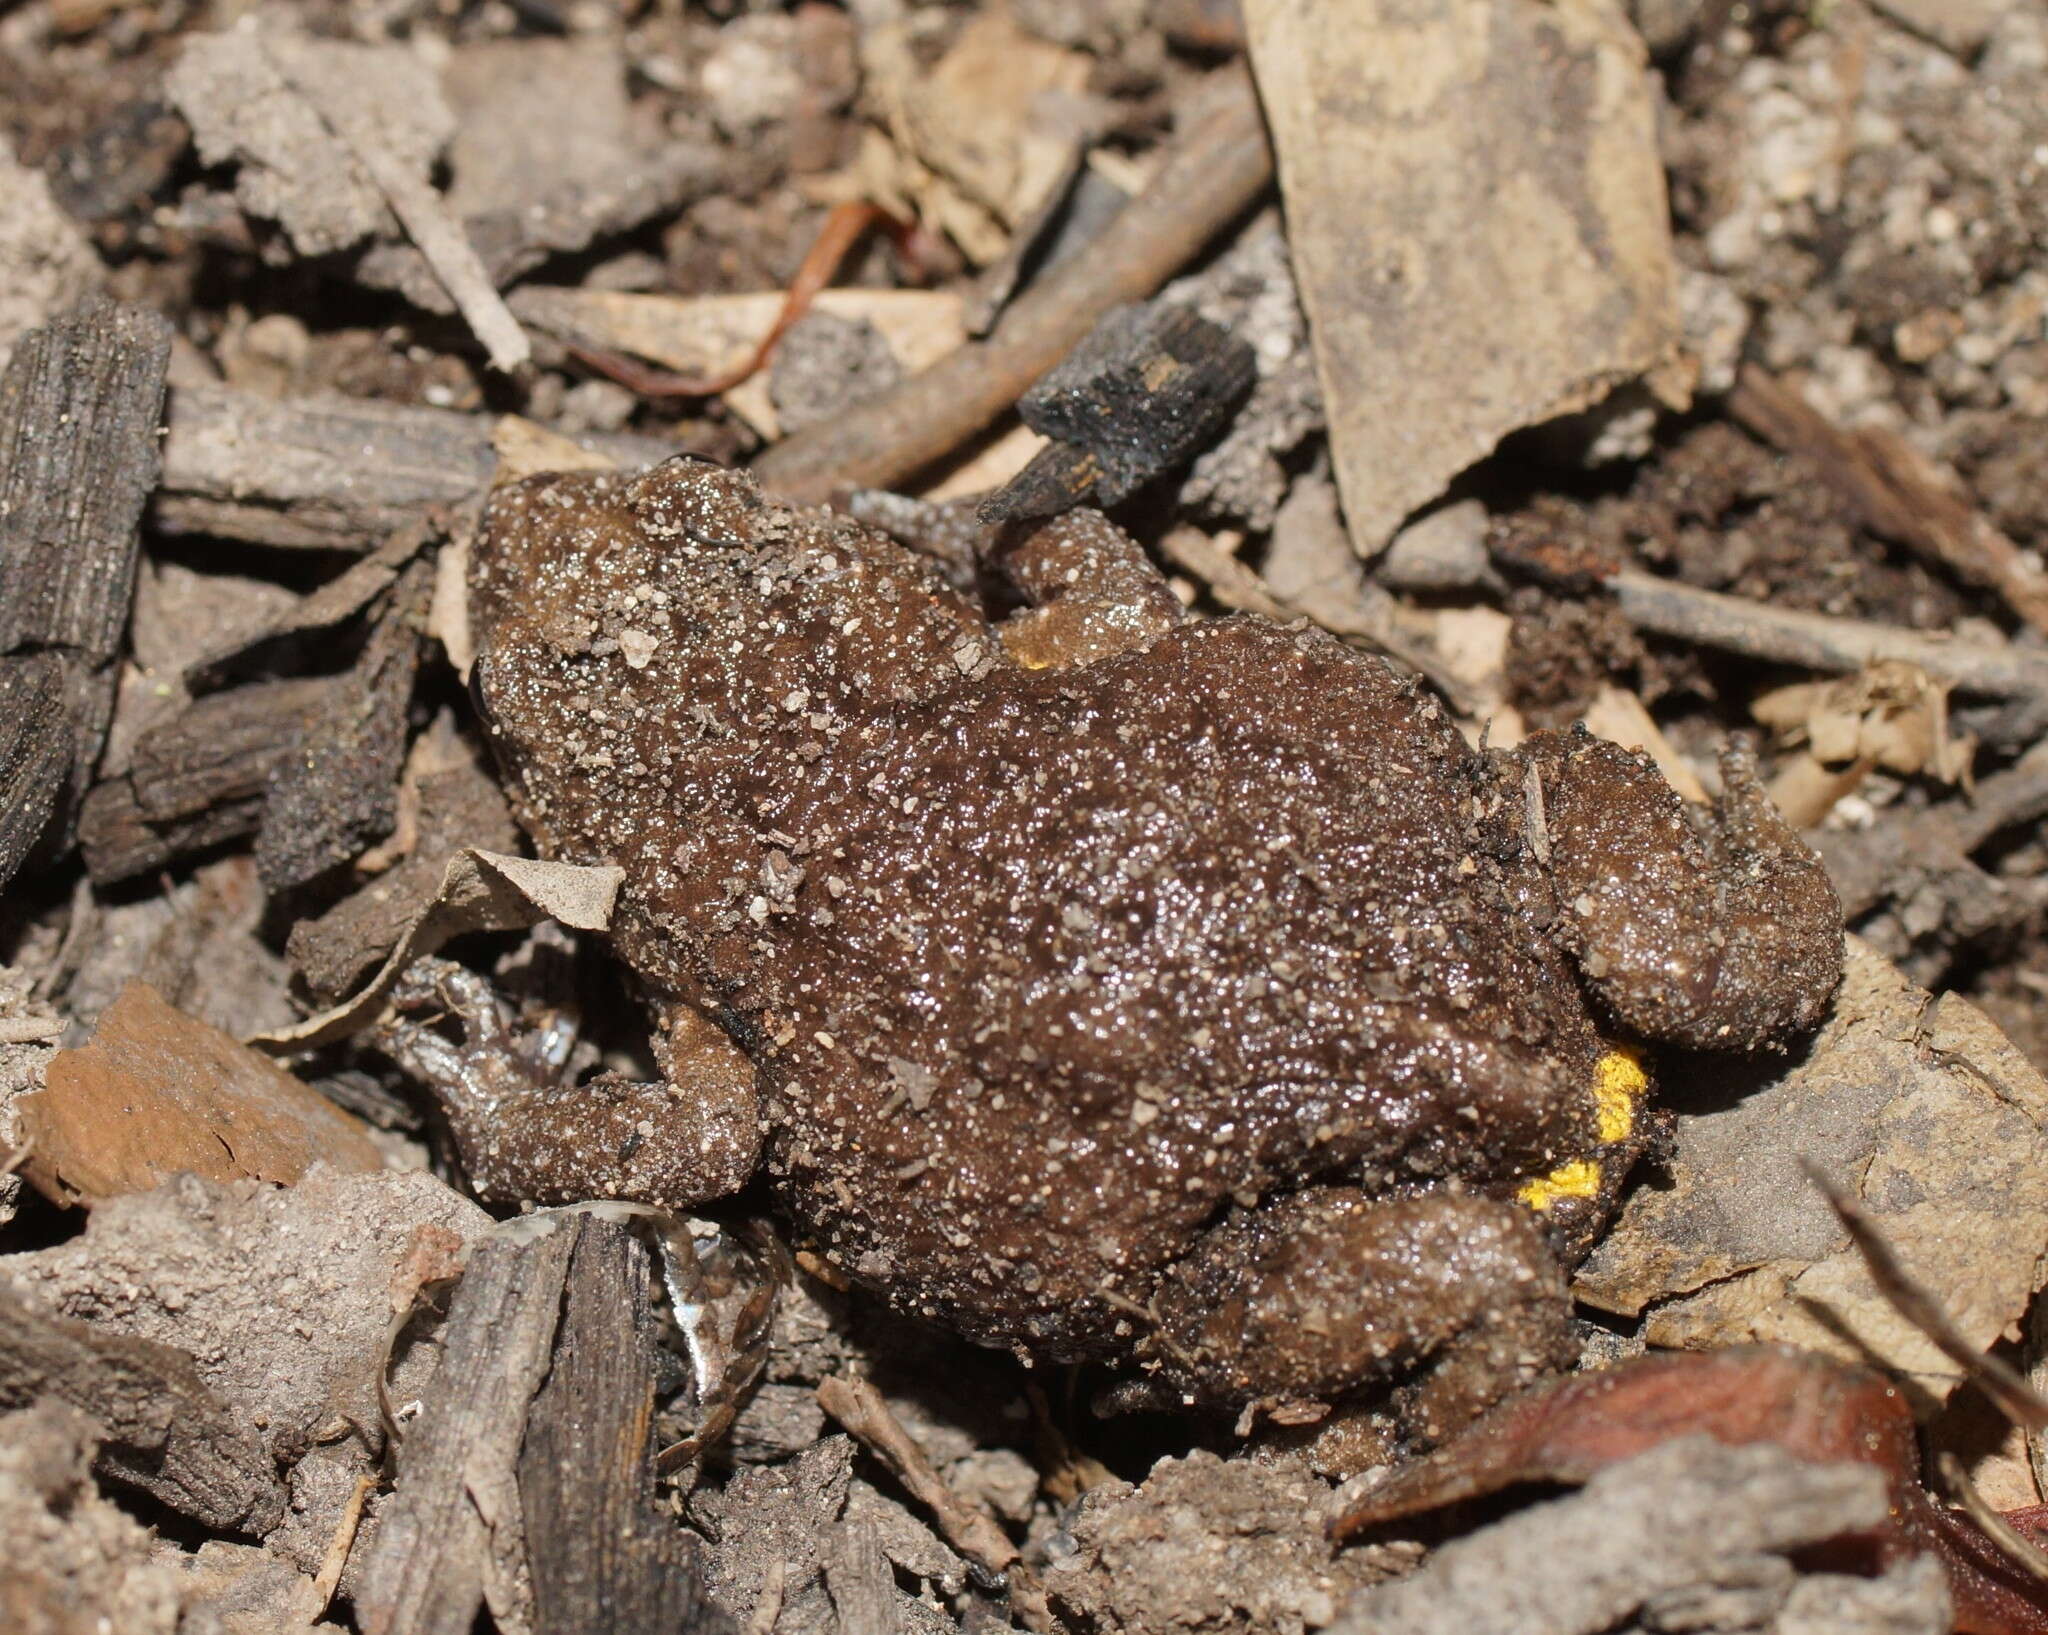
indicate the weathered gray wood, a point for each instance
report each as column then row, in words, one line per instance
column 455, row 1508
column 604, row 1559
column 167, row 1432
column 80, row 404
column 79, row 407
column 329, row 473
column 859, row 1580
column 35, row 751
column 337, row 791
column 199, row 778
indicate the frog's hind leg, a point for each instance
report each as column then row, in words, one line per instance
column 1312, row 1295
column 1727, row 937
column 523, row 1134
column 1093, row 593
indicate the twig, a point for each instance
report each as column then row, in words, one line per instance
column 2017, row 1548
column 858, row 1406
column 420, row 210
column 1864, row 863
column 844, row 228
column 1818, row 641
column 344, row 1539
column 29, row 1030
column 1214, row 170
column 1896, row 491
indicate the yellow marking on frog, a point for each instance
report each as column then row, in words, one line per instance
column 1619, row 1082
column 1578, row 1179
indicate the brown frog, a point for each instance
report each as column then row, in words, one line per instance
column 1103, row 981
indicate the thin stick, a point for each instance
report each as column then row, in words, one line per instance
column 1817, row 641
column 1214, row 169
column 1895, row 489
column 971, row 1530
column 2017, row 1548
column 343, row 1541
column 29, row 1030
column 420, row 210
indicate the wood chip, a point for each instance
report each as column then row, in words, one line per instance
column 1966, row 1210
column 451, row 1531
column 603, row 1555
column 167, row 1433
column 79, row 410
column 1478, row 223
column 329, row 474
column 337, row 93
column 155, row 1092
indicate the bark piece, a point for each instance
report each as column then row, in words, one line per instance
column 358, row 110
column 334, row 603
column 79, row 408
column 1666, row 1521
column 156, row 1092
column 336, row 791
column 75, row 1564
column 282, row 1295
column 35, row 751
column 452, row 1531
column 292, row 167
column 199, row 778
column 166, row 1432
column 328, row 473
column 1738, row 1246
column 1150, row 387
column 1478, row 224
column 603, row 1556
column 456, row 803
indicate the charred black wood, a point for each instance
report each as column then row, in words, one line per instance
column 1148, row 389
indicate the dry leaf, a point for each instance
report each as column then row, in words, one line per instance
column 710, row 335
column 1477, row 219
column 1919, row 1108
column 481, row 891
column 155, row 1092
column 968, row 150
column 1893, row 715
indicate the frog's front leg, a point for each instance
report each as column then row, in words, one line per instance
column 524, row 1136
column 1311, row 1295
column 1093, row 593
column 1727, row 938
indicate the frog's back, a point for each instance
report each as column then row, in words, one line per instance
column 1108, row 946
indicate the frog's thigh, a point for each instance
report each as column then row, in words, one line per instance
column 1313, row 1294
